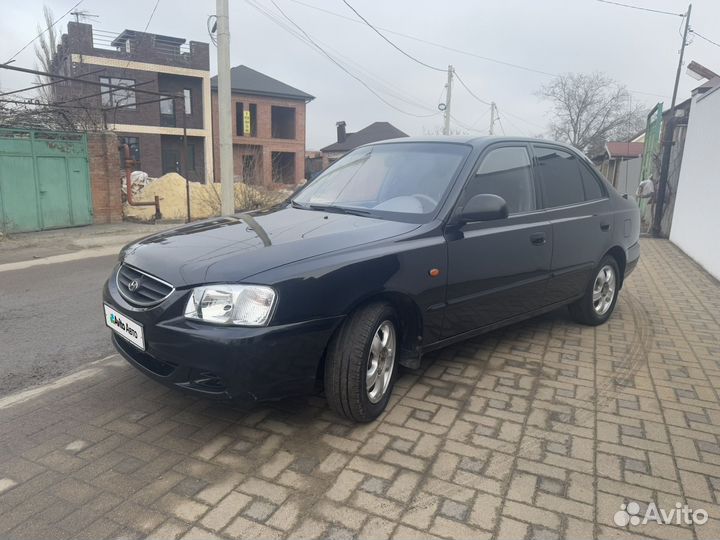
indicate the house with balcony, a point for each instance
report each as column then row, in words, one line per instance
column 268, row 128
column 150, row 125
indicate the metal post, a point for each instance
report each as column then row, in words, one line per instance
column 184, row 156
column 227, row 193
column 491, row 131
column 446, row 128
column 667, row 139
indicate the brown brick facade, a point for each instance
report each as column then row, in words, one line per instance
column 263, row 145
column 104, row 163
column 147, row 63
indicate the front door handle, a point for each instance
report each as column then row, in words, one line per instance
column 537, row 239
column 604, row 226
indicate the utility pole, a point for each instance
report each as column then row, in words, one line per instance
column 491, row 131
column 446, row 128
column 680, row 61
column 667, row 142
column 227, row 188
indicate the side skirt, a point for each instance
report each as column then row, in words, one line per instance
column 413, row 362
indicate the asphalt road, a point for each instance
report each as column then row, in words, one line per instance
column 51, row 320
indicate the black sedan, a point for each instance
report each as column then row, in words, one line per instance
column 397, row 249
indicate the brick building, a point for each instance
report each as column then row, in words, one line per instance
column 268, row 127
column 151, row 62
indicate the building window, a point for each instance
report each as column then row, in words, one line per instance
column 239, row 122
column 245, row 120
column 282, row 122
column 117, row 97
column 253, row 120
column 283, row 167
column 188, row 100
column 167, row 112
column 167, row 106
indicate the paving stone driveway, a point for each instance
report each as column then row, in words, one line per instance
column 540, row 430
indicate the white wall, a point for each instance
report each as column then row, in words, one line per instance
column 696, row 220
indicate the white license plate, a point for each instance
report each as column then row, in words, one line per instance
column 125, row 327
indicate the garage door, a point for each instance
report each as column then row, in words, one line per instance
column 44, row 180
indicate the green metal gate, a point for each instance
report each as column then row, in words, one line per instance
column 44, row 180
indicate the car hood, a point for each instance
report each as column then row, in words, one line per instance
column 231, row 249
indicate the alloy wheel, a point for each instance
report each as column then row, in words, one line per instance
column 604, row 290
column 381, row 361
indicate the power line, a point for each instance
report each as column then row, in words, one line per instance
column 448, row 48
column 411, row 57
column 428, row 42
column 388, row 89
column 521, row 119
column 640, row 8
column 43, row 32
column 338, row 64
column 147, row 25
column 698, row 34
column 512, row 124
column 470, row 91
column 152, row 14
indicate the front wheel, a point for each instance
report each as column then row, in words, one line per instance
column 360, row 364
column 598, row 302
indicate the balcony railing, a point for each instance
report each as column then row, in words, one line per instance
column 103, row 39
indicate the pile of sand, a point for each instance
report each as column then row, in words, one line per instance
column 204, row 199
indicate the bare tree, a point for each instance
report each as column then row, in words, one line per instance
column 45, row 51
column 590, row 109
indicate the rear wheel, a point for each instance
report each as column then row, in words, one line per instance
column 360, row 366
column 598, row 302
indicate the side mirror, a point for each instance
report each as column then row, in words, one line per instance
column 484, row 207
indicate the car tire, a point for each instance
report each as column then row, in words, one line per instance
column 350, row 387
column 598, row 302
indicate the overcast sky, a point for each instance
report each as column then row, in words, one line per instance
column 637, row 48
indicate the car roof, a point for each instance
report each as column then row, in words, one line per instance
column 474, row 141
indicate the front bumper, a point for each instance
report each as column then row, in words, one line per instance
column 223, row 361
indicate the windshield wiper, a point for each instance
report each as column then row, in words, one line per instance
column 330, row 208
column 338, row 209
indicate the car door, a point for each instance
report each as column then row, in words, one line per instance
column 498, row 269
column 577, row 205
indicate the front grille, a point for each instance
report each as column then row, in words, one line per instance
column 141, row 289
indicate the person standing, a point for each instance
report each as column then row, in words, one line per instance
column 644, row 195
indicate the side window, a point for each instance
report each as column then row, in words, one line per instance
column 593, row 191
column 505, row 172
column 560, row 178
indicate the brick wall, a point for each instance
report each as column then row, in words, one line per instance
column 104, row 162
column 263, row 144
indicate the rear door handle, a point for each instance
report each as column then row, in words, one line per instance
column 604, row 226
column 537, row 239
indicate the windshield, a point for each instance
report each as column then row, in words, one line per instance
column 403, row 181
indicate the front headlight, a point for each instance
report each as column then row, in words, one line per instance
column 240, row 305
